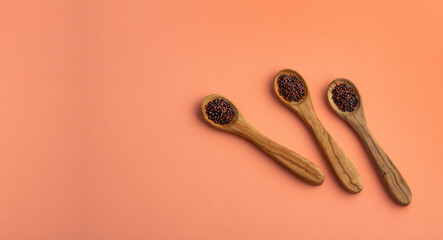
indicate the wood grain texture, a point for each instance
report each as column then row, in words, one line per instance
column 293, row 162
column 392, row 179
column 342, row 167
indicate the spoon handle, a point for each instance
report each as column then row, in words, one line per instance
column 342, row 166
column 393, row 180
column 293, row 162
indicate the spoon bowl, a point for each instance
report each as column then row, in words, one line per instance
column 388, row 172
column 331, row 87
column 299, row 77
column 293, row 162
column 208, row 99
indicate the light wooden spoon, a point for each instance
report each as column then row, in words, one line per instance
column 293, row 162
column 394, row 182
column 343, row 168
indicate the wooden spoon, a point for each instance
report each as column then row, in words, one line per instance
column 394, row 182
column 343, row 168
column 293, row 162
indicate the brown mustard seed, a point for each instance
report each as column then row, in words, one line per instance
column 344, row 97
column 291, row 88
column 220, row 111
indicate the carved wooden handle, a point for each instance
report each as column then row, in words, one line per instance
column 342, row 166
column 344, row 170
column 293, row 162
column 393, row 180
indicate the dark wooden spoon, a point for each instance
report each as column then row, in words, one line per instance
column 394, row 182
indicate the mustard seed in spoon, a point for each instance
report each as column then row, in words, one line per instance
column 291, row 88
column 220, row 111
column 344, row 97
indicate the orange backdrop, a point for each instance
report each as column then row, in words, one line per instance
column 100, row 135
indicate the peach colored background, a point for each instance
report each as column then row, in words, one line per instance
column 100, row 136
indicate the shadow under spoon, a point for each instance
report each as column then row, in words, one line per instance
column 392, row 179
column 293, row 162
column 343, row 168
